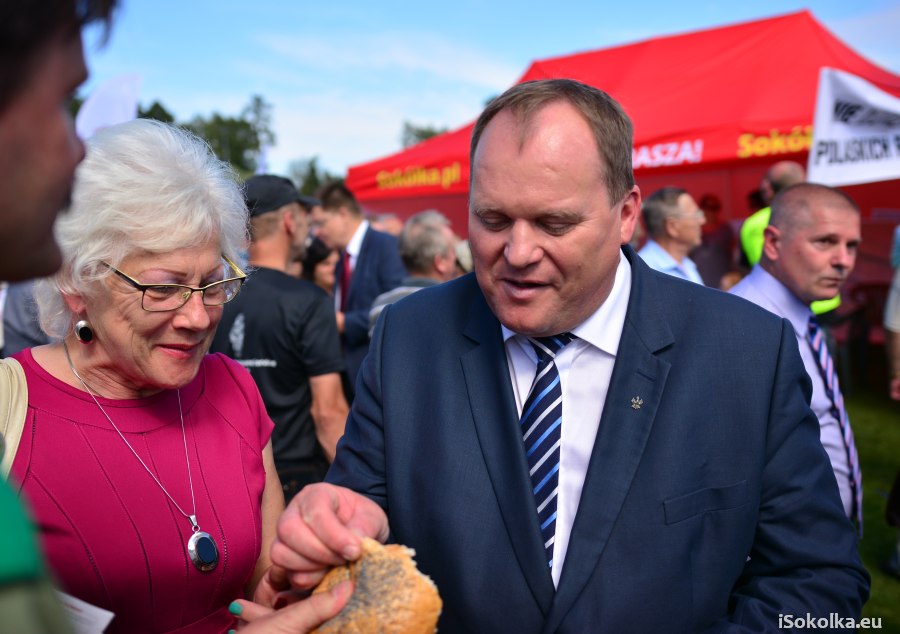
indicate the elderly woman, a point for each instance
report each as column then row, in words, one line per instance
column 147, row 462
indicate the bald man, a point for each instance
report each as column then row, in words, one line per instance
column 809, row 250
column 780, row 176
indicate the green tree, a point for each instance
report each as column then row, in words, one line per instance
column 232, row 139
column 156, row 111
column 75, row 105
column 413, row 134
column 309, row 177
column 238, row 140
column 259, row 114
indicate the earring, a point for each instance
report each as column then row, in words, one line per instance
column 83, row 331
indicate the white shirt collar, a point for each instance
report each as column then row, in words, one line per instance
column 355, row 243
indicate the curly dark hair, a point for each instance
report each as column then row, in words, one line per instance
column 316, row 252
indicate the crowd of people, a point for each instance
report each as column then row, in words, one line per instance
column 218, row 388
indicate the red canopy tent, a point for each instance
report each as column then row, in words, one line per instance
column 711, row 109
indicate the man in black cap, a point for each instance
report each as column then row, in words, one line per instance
column 283, row 330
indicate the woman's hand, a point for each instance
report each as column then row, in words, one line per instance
column 297, row 618
column 273, row 585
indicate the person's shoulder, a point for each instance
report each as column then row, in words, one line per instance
column 262, row 280
column 434, row 318
column 269, row 281
column 462, row 286
column 393, row 295
column 216, row 365
column 746, row 287
column 710, row 303
column 264, row 276
column 381, row 240
column 380, row 237
column 230, row 389
column 756, row 221
column 646, row 248
column 19, row 291
column 306, row 289
column 219, row 371
column 433, row 302
column 760, row 292
column 306, row 299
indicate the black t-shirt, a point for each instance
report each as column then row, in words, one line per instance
column 283, row 330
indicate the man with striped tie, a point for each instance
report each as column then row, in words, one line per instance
column 810, row 249
column 571, row 441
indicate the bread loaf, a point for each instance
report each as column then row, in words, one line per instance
column 390, row 595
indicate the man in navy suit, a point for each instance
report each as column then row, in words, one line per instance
column 690, row 488
column 370, row 265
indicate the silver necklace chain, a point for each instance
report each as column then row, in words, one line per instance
column 193, row 516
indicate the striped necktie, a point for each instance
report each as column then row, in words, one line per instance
column 542, row 433
column 826, row 368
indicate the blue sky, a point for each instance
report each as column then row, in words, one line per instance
column 343, row 75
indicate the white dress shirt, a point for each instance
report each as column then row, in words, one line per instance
column 658, row 258
column 585, row 368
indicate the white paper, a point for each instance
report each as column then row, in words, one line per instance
column 84, row 617
column 856, row 132
column 114, row 101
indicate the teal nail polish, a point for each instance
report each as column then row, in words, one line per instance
column 231, row 632
column 235, row 608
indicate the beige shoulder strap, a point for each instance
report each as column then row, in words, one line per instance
column 13, row 407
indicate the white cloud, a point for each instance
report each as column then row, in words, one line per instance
column 344, row 132
column 429, row 53
column 345, row 98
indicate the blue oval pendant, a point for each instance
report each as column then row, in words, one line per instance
column 203, row 551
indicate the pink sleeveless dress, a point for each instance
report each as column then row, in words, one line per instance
column 110, row 535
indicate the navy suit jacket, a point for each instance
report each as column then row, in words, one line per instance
column 711, row 507
column 378, row 269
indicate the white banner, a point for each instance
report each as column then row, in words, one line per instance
column 114, row 101
column 856, row 132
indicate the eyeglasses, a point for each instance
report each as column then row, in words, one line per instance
column 159, row 298
column 694, row 215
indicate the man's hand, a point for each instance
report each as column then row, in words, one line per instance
column 322, row 527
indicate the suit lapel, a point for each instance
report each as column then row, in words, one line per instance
column 496, row 423
column 621, row 438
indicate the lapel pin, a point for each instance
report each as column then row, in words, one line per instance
column 636, row 402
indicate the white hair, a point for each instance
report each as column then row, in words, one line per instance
column 144, row 186
column 422, row 238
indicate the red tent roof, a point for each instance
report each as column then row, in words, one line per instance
column 709, row 98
